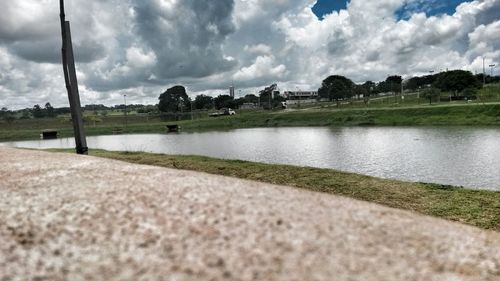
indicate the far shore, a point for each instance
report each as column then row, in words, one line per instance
column 319, row 116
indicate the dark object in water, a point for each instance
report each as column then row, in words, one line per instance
column 173, row 128
column 49, row 134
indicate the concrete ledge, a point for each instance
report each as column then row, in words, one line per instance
column 68, row 217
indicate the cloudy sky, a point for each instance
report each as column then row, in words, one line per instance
column 141, row 47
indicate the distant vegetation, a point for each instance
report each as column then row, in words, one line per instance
column 448, row 98
column 324, row 114
column 461, row 84
column 455, row 85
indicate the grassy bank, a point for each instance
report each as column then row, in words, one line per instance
column 448, row 115
column 328, row 115
column 475, row 207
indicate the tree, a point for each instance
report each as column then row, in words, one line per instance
column 456, row 81
column 38, row 112
column 360, row 91
column 269, row 90
column 62, row 110
column 49, row 110
column 369, row 87
column 3, row 111
column 420, row 82
column 9, row 118
column 25, row 114
column 383, row 87
column 488, row 79
column 336, row 88
column 238, row 102
column 203, row 102
column 224, row 101
column 267, row 95
column 431, row 93
column 7, row 115
column 394, row 82
column 174, row 100
column 251, row 98
column 278, row 100
column 148, row 109
column 470, row 92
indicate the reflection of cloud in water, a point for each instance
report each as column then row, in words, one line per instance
column 456, row 156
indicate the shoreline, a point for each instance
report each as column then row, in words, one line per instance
column 476, row 115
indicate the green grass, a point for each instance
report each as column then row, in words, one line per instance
column 474, row 207
column 444, row 114
column 469, row 115
column 490, row 93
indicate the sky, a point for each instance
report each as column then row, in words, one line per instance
column 429, row 7
column 142, row 47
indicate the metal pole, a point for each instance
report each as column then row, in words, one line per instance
column 71, row 82
column 484, row 74
column 125, row 112
column 270, row 106
column 191, row 105
column 402, row 90
column 392, row 90
column 298, row 95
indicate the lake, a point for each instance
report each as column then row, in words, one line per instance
column 458, row 156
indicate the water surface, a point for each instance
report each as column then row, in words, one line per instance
column 467, row 157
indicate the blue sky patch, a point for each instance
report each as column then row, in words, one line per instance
column 429, row 7
column 325, row 7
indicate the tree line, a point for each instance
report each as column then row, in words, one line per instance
column 457, row 82
column 176, row 100
column 35, row 112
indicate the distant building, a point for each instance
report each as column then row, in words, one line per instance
column 231, row 91
column 296, row 97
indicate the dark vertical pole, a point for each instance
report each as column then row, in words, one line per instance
column 125, row 112
column 72, row 84
column 484, row 74
column 76, row 108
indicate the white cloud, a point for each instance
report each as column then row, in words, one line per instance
column 260, row 49
column 137, row 57
column 142, row 47
column 485, row 39
column 264, row 66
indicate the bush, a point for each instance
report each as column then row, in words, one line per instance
column 470, row 92
column 431, row 93
column 9, row 118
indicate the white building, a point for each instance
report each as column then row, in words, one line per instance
column 297, row 97
column 231, row 91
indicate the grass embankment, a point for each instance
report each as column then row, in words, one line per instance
column 472, row 115
column 475, row 207
column 422, row 115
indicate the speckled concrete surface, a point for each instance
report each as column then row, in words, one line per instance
column 65, row 217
